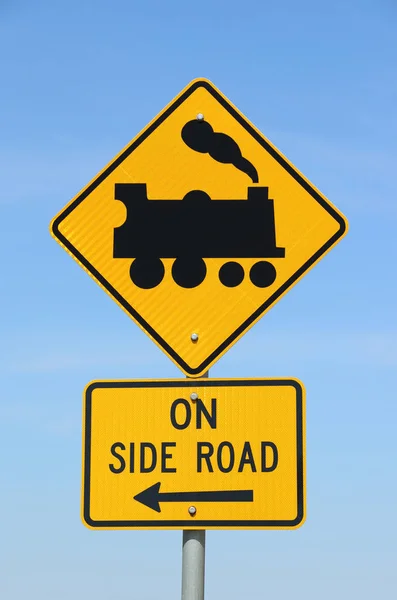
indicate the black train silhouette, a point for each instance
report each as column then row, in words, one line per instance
column 197, row 227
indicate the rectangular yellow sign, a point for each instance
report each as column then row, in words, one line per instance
column 194, row 454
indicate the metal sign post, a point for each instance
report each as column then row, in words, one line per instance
column 193, row 560
column 193, row 565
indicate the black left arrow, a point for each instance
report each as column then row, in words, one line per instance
column 151, row 497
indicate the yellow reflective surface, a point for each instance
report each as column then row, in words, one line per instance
column 242, row 439
column 306, row 225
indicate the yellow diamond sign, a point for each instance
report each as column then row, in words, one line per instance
column 198, row 227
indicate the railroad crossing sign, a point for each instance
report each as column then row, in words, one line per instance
column 173, row 454
column 198, row 227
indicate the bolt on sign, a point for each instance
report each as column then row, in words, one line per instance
column 198, row 227
column 194, row 454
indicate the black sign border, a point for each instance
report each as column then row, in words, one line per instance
column 194, row 524
column 197, row 371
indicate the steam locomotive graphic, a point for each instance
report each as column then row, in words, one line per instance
column 197, row 227
column 192, row 229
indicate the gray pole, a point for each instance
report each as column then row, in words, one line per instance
column 193, row 562
column 193, row 565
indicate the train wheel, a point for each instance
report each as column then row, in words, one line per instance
column 231, row 274
column 263, row 274
column 147, row 273
column 189, row 272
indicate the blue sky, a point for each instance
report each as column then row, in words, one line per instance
column 79, row 80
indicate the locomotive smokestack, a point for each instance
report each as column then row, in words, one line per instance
column 200, row 136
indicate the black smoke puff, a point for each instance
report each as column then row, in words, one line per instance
column 200, row 136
